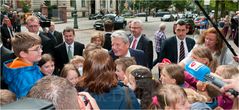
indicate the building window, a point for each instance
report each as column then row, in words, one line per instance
column 111, row 4
column 72, row 3
column 103, row 4
column 82, row 3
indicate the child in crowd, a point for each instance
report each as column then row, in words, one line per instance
column 226, row 71
column 174, row 74
column 47, row 64
column 170, row 97
column 145, row 86
column 22, row 73
column 89, row 47
column 197, row 100
column 129, row 78
column 6, row 97
column 121, row 65
column 78, row 62
column 70, row 72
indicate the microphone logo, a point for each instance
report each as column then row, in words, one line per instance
column 195, row 66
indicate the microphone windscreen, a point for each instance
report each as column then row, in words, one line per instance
column 197, row 70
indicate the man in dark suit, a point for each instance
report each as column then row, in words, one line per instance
column 33, row 26
column 120, row 48
column 6, row 54
column 55, row 35
column 177, row 47
column 140, row 41
column 6, row 32
column 108, row 27
column 66, row 50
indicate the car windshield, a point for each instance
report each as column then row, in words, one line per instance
column 166, row 16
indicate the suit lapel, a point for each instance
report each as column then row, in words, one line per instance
column 175, row 44
column 140, row 43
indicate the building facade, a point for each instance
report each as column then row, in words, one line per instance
column 83, row 7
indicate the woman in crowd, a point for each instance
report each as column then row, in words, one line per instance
column 210, row 39
column 98, row 39
column 100, row 81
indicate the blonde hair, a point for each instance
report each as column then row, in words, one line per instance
column 6, row 97
column 194, row 96
column 227, row 71
column 32, row 18
column 204, row 52
column 90, row 47
column 77, row 59
column 125, row 62
column 66, row 68
column 96, row 35
column 129, row 70
column 169, row 95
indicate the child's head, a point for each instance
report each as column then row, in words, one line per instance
column 47, row 64
column 27, row 45
column 7, row 97
column 129, row 78
column 170, row 97
column 78, row 62
column 194, row 96
column 97, row 38
column 70, row 72
column 204, row 55
column 172, row 74
column 90, row 47
column 122, row 64
column 226, row 71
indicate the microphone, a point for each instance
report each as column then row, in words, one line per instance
column 202, row 72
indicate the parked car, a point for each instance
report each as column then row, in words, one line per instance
column 143, row 14
column 119, row 22
column 167, row 17
column 95, row 16
column 161, row 13
column 190, row 25
column 127, row 14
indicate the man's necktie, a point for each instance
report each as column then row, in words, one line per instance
column 134, row 43
column 70, row 56
column 182, row 52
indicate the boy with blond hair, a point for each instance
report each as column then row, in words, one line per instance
column 22, row 73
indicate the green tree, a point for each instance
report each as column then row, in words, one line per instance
column 180, row 5
column 160, row 4
column 25, row 6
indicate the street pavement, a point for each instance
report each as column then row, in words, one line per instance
column 83, row 33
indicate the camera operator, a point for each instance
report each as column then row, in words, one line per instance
column 33, row 25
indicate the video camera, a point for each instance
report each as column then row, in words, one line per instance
column 44, row 22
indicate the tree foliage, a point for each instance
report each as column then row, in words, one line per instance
column 180, row 5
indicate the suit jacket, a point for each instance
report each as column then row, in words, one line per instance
column 60, row 53
column 59, row 37
column 47, row 43
column 137, row 54
column 169, row 48
column 146, row 45
column 107, row 43
column 5, row 36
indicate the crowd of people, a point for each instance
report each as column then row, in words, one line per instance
column 113, row 71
